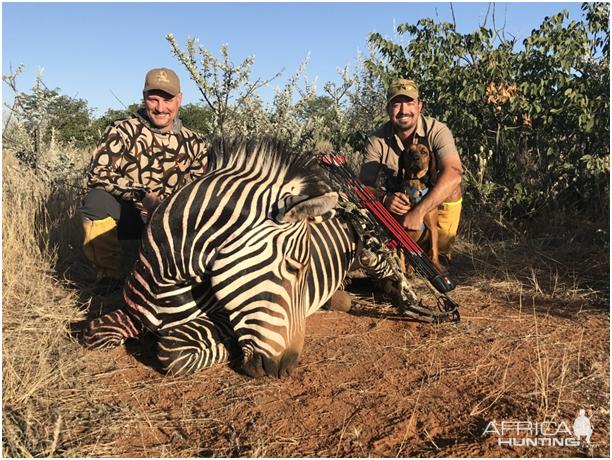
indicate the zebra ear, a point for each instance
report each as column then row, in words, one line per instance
column 301, row 207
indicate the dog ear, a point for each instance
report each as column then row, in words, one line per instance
column 433, row 168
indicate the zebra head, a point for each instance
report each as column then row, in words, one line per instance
column 261, row 278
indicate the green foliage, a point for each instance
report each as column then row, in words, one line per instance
column 232, row 107
column 197, row 118
column 366, row 100
column 27, row 122
column 100, row 124
column 318, row 106
column 532, row 126
column 45, row 118
column 225, row 88
column 71, row 121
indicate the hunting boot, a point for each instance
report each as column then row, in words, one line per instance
column 102, row 248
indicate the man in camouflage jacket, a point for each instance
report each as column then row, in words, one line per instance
column 140, row 161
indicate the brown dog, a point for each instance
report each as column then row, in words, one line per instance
column 420, row 174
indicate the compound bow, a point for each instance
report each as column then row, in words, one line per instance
column 381, row 233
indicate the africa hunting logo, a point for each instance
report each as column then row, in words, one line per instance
column 548, row 433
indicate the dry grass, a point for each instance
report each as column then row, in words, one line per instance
column 528, row 294
column 39, row 357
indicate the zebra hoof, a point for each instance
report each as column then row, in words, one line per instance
column 109, row 331
column 94, row 340
column 340, row 301
column 389, row 288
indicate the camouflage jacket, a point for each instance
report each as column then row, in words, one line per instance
column 134, row 158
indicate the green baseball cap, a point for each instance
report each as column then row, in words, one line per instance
column 403, row 87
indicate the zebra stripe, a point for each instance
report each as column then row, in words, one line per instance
column 231, row 265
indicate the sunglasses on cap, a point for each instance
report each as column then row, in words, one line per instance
column 397, row 87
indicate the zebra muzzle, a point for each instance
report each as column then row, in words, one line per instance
column 258, row 365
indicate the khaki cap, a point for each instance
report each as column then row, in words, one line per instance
column 403, row 87
column 164, row 80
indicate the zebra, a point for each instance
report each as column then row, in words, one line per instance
column 232, row 264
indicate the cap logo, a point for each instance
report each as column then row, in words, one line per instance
column 162, row 76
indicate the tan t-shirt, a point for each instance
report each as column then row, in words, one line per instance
column 384, row 148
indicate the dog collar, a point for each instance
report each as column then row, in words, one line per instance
column 416, row 194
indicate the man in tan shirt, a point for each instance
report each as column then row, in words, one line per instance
column 384, row 148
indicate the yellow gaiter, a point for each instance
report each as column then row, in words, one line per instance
column 102, row 248
column 448, row 220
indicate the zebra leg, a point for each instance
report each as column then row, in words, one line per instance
column 339, row 301
column 196, row 345
column 111, row 330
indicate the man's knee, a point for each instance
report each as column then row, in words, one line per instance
column 102, row 248
column 98, row 205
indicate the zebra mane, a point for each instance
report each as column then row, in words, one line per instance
column 269, row 156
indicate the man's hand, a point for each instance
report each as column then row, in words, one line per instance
column 397, row 203
column 150, row 202
column 412, row 220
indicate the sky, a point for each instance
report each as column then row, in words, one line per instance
column 100, row 52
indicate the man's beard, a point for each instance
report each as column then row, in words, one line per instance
column 404, row 124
